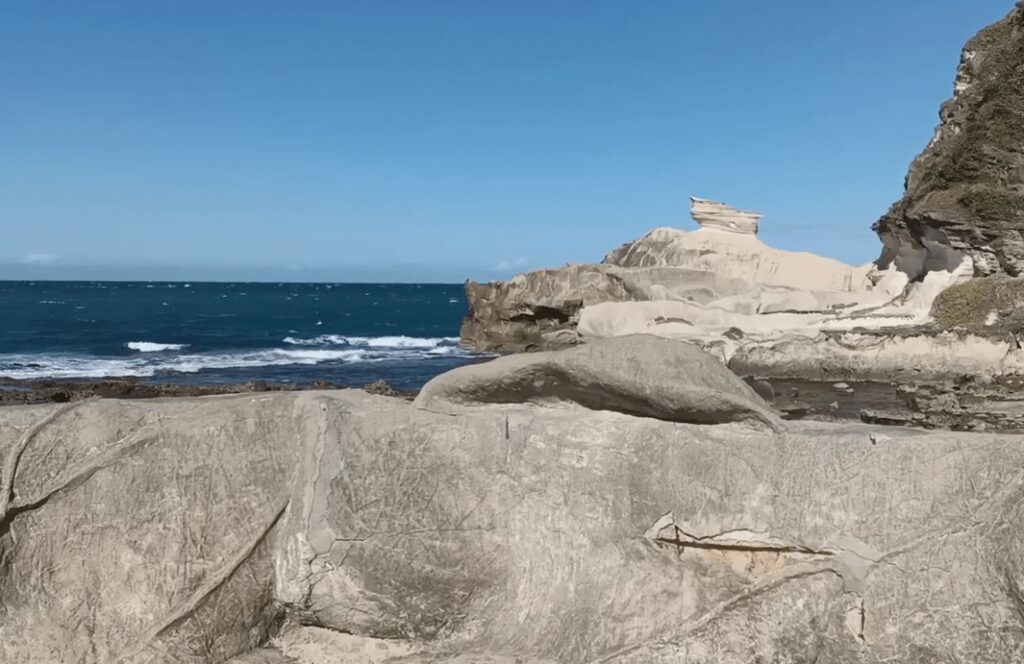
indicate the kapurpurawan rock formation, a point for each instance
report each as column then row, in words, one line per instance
column 723, row 288
column 965, row 192
column 721, row 262
column 785, row 314
column 482, row 525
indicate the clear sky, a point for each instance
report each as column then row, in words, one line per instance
column 437, row 140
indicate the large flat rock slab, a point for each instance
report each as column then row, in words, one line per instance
column 346, row 527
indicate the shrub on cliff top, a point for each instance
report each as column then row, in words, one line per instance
column 970, row 304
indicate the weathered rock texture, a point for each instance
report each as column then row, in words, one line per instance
column 712, row 214
column 686, row 385
column 345, row 527
column 711, row 280
column 764, row 311
column 965, row 192
column 538, row 310
column 786, row 314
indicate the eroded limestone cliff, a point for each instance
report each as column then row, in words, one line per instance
column 714, row 286
column 965, row 193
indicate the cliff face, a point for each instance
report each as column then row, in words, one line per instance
column 965, row 193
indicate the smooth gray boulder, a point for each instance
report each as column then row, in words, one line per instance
column 332, row 527
column 639, row 375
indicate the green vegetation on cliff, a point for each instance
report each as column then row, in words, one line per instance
column 965, row 192
column 969, row 305
column 985, row 153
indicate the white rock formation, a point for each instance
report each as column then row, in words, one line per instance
column 712, row 214
column 719, row 286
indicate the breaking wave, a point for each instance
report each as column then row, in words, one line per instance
column 374, row 342
column 153, row 347
column 149, row 363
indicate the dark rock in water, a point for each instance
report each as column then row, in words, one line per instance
column 795, row 410
column 764, row 389
column 733, row 333
column 965, row 193
column 384, row 389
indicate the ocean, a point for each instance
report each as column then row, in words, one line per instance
column 222, row 333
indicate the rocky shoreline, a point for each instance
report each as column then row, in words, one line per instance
column 632, row 496
column 25, row 392
column 652, row 484
column 963, row 404
column 934, row 324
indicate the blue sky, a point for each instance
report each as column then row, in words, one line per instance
column 414, row 140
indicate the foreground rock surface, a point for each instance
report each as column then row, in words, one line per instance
column 319, row 527
column 965, row 192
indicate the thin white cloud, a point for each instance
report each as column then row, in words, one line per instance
column 505, row 266
column 40, row 259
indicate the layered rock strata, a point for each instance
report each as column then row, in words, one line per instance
column 712, row 214
column 965, row 192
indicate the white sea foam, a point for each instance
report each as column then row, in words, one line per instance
column 374, row 342
column 403, row 342
column 153, row 347
column 148, row 364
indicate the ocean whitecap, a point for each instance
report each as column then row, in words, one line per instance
column 153, row 347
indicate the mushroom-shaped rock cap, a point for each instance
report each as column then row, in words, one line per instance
column 640, row 375
column 712, row 214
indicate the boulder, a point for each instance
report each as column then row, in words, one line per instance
column 640, row 375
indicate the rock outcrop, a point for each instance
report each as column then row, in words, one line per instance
column 965, row 193
column 538, row 310
column 313, row 528
column 778, row 314
column 718, row 276
column 712, row 214
column 719, row 286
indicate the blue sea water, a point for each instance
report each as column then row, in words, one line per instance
column 210, row 333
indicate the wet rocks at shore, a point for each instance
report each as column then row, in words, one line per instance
column 966, row 403
column 24, row 392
